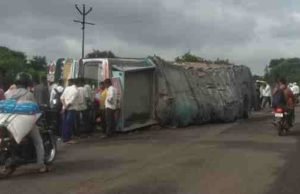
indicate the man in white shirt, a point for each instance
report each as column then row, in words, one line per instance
column 69, row 100
column 56, row 91
column 56, row 106
column 110, row 107
column 266, row 93
column 261, row 89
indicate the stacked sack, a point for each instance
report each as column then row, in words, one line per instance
column 18, row 117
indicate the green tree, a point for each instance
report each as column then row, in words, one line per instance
column 287, row 68
column 37, row 67
column 11, row 62
column 100, row 54
column 38, row 63
column 275, row 62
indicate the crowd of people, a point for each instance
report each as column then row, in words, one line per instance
column 265, row 94
column 75, row 110
column 78, row 109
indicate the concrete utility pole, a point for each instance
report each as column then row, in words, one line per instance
column 84, row 13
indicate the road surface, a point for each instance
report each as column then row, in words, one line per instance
column 246, row 157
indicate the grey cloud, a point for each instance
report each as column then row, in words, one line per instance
column 287, row 29
column 153, row 24
column 219, row 28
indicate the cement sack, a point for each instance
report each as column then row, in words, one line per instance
column 19, row 125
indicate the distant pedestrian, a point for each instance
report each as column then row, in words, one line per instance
column 56, row 106
column 110, row 107
column 261, row 90
column 258, row 104
column 266, row 93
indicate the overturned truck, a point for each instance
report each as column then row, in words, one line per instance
column 197, row 93
column 152, row 90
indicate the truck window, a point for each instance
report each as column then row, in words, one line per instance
column 93, row 70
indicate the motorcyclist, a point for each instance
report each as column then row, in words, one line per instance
column 289, row 99
column 21, row 93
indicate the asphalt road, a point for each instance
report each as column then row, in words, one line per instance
column 246, row 157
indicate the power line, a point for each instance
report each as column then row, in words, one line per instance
column 84, row 13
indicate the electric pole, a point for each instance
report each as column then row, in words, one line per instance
column 84, row 13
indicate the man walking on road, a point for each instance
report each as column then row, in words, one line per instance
column 110, row 107
column 266, row 93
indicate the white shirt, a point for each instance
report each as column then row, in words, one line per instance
column 52, row 86
column 53, row 93
column 111, row 98
column 88, row 91
column 267, row 91
column 82, row 96
column 295, row 89
column 70, row 97
column 261, row 90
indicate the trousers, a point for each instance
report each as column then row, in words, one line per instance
column 38, row 144
column 69, row 124
column 110, row 121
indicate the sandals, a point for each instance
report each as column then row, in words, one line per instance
column 43, row 169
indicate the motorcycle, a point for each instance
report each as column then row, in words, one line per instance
column 13, row 155
column 281, row 121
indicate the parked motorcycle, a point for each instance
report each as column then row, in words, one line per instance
column 13, row 155
column 281, row 121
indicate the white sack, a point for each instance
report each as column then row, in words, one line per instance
column 19, row 125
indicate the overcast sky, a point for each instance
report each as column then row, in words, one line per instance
column 249, row 32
